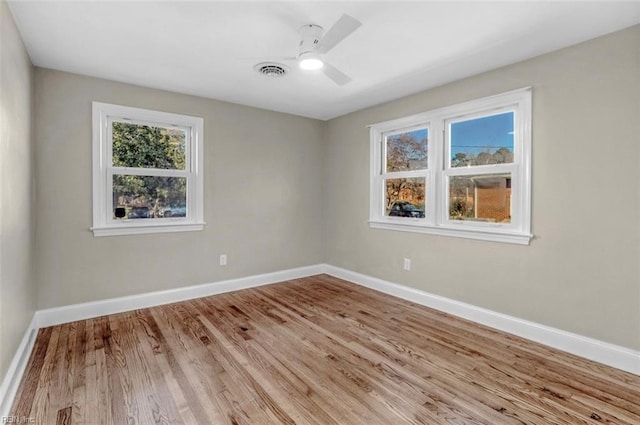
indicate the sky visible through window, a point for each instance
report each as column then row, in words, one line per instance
column 420, row 134
column 479, row 134
column 484, row 134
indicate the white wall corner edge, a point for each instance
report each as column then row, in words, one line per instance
column 16, row 370
column 599, row 351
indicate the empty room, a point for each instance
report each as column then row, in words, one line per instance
column 347, row 212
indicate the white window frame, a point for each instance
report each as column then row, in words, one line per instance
column 386, row 175
column 104, row 114
column 518, row 230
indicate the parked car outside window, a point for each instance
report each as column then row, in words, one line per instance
column 174, row 211
column 139, row 212
column 405, row 209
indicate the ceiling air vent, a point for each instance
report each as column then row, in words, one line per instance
column 271, row 69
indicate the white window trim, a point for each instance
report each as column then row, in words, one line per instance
column 103, row 222
column 436, row 220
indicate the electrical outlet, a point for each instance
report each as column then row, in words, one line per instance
column 223, row 260
column 407, row 264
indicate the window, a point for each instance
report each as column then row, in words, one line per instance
column 462, row 171
column 405, row 172
column 147, row 171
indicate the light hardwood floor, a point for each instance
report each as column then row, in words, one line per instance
column 317, row 350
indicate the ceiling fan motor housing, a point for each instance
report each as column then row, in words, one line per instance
column 309, row 38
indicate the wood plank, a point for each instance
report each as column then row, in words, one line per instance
column 104, row 396
column 317, row 350
column 41, row 406
column 78, row 371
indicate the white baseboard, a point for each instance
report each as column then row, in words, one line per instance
column 609, row 354
column 593, row 349
column 72, row 313
column 12, row 379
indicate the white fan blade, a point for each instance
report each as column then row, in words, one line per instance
column 267, row 58
column 338, row 77
column 338, row 32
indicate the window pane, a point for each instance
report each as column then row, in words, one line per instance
column 407, row 151
column 405, row 197
column 138, row 197
column 485, row 197
column 143, row 146
column 482, row 141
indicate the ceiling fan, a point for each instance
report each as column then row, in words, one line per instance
column 315, row 43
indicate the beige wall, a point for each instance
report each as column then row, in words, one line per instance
column 581, row 273
column 283, row 191
column 17, row 293
column 263, row 184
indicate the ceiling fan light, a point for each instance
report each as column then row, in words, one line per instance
column 311, row 63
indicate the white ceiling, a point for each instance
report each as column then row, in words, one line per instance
column 401, row 48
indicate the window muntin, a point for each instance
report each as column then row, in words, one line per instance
column 147, row 171
column 404, row 169
column 477, row 174
column 482, row 143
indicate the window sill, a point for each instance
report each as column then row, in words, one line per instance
column 146, row 228
column 485, row 235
